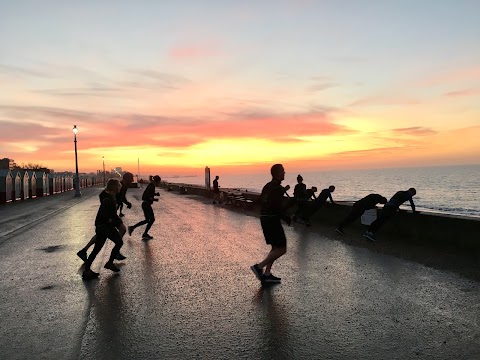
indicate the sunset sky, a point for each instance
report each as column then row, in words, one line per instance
column 180, row 85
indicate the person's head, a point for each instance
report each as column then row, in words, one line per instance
column 299, row 179
column 278, row 172
column 412, row 191
column 331, row 188
column 113, row 186
column 156, row 180
column 216, row 177
column 128, row 178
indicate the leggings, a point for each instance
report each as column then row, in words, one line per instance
column 149, row 217
column 102, row 233
column 386, row 213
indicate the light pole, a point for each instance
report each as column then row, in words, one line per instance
column 103, row 160
column 77, row 179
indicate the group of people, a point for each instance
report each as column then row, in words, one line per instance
column 109, row 225
column 274, row 210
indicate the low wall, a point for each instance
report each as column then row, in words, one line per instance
column 460, row 232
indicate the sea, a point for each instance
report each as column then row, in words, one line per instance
column 451, row 190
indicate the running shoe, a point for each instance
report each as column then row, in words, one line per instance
column 271, row 278
column 257, row 271
column 111, row 266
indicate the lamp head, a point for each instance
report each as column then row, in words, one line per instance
column 75, row 129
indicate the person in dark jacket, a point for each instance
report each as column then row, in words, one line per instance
column 148, row 198
column 389, row 211
column 126, row 182
column 272, row 211
column 358, row 208
column 106, row 223
column 122, row 195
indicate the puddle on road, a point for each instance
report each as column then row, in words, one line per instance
column 48, row 287
column 52, row 248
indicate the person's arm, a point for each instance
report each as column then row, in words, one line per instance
column 330, row 197
column 412, row 204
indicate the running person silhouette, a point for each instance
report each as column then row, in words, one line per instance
column 148, row 198
column 272, row 212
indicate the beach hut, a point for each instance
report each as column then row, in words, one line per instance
column 52, row 184
column 41, row 184
column 25, row 180
column 32, row 184
column 17, row 185
column 6, row 186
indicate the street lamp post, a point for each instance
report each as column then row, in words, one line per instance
column 103, row 160
column 77, row 179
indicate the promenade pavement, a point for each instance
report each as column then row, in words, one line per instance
column 189, row 292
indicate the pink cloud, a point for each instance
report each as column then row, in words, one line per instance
column 466, row 92
column 193, row 52
column 415, row 130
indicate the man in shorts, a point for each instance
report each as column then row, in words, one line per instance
column 272, row 212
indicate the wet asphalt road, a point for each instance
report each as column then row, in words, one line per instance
column 189, row 292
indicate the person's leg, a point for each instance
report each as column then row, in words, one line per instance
column 386, row 213
column 354, row 214
column 149, row 225
column 274, row 235
column 121, row 231
column 100, row 241
column 120, row 206
column 145, row 207
column 115, row 237
column 150, row 217
column 273, row 255
column 82, row 254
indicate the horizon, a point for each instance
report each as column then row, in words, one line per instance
column 240, row 86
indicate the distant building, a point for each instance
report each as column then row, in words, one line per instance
column 118, row 169
column 7, row 163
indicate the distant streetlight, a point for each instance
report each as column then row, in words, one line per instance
column 103, row 160
column 77, row 179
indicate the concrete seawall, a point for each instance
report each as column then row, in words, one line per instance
column 433, row 229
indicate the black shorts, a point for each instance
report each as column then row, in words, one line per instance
column 273, row 231
column 147, row 210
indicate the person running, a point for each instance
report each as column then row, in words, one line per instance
column 358, row 208
column 316, row 204
column 272, row 211
column 216, row 190
column 106, row 222
column 127, row 181
column 148, row 198
column 121, row 196
column 389, row 211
